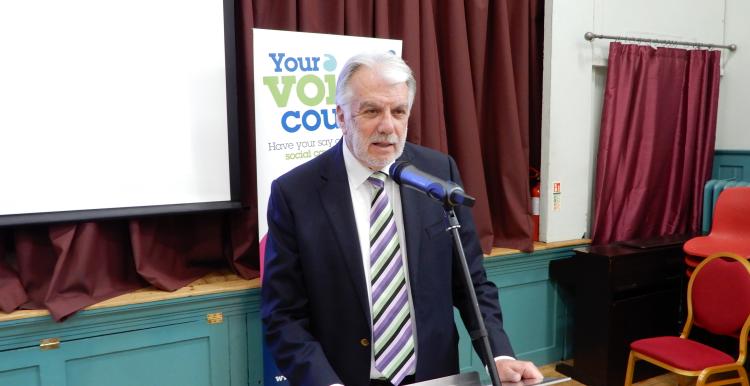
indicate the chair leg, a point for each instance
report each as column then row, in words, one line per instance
column 702, row 378
column 743, row 376
column 685, row 380
column 629, row 371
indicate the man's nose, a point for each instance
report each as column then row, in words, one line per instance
column 387, row 123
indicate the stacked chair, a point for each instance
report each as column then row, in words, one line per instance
column 730, row 229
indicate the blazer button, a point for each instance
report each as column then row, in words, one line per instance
column 364, row 342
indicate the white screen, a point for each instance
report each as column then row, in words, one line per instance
column 112, row 104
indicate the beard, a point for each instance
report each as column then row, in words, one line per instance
column 359, row 146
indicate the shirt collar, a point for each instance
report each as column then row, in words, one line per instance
column 357, row 172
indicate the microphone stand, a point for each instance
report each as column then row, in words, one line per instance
column 481, row 332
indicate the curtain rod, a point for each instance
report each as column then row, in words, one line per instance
column 591, row 36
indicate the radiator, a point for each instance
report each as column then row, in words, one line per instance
column 710, row 194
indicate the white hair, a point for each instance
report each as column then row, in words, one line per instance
column 386, row 64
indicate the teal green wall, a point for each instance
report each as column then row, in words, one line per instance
column 170, row 342
column 535, row 313
column 731, row 164
column 159, row 343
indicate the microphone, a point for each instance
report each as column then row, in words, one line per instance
column 447, row 192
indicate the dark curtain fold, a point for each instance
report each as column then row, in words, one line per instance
column 506, row 116
column 656, row 141
column 67, row 267
column 475, row 62
column 12, row 292
column 159, row 246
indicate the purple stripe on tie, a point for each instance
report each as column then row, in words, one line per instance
column 401, row 374
column 377, row 182
column 393, row 309
column 399, row 298
column 382, row 281
column 378, row 245
column 378, row 207
column 395, row 346
column 387, row 222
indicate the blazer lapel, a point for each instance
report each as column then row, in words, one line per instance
column 411, row 202
column 337, row 203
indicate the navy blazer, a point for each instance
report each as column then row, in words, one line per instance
column 315, row 306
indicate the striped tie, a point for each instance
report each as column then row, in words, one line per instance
column 392, row 331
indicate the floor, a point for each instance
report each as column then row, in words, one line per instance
column 662, row 380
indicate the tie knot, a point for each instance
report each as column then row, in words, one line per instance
column 377, row 179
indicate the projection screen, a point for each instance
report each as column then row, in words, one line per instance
column 116, row 108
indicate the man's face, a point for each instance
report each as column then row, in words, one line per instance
column 374, row 121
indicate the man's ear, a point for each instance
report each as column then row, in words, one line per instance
column 340, row 119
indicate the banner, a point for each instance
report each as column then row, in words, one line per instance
column 295, row 109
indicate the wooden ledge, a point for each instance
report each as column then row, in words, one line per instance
column 538, row 246
column 213, row 283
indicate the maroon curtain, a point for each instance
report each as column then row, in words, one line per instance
column 475, row 62
column 656, row 142
column 12, row 292
column 478, row 73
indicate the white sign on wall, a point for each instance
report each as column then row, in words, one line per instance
column 295, row 99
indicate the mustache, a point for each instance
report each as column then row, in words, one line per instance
column 389, row 138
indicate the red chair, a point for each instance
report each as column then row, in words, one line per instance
column 718, row 299
column 730, row 229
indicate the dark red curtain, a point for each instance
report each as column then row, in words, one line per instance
column 478, row 71
column 478, row 68
column 656, row 142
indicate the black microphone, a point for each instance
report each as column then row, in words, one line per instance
column 447, row 192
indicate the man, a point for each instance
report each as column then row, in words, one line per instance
column 360, row 279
